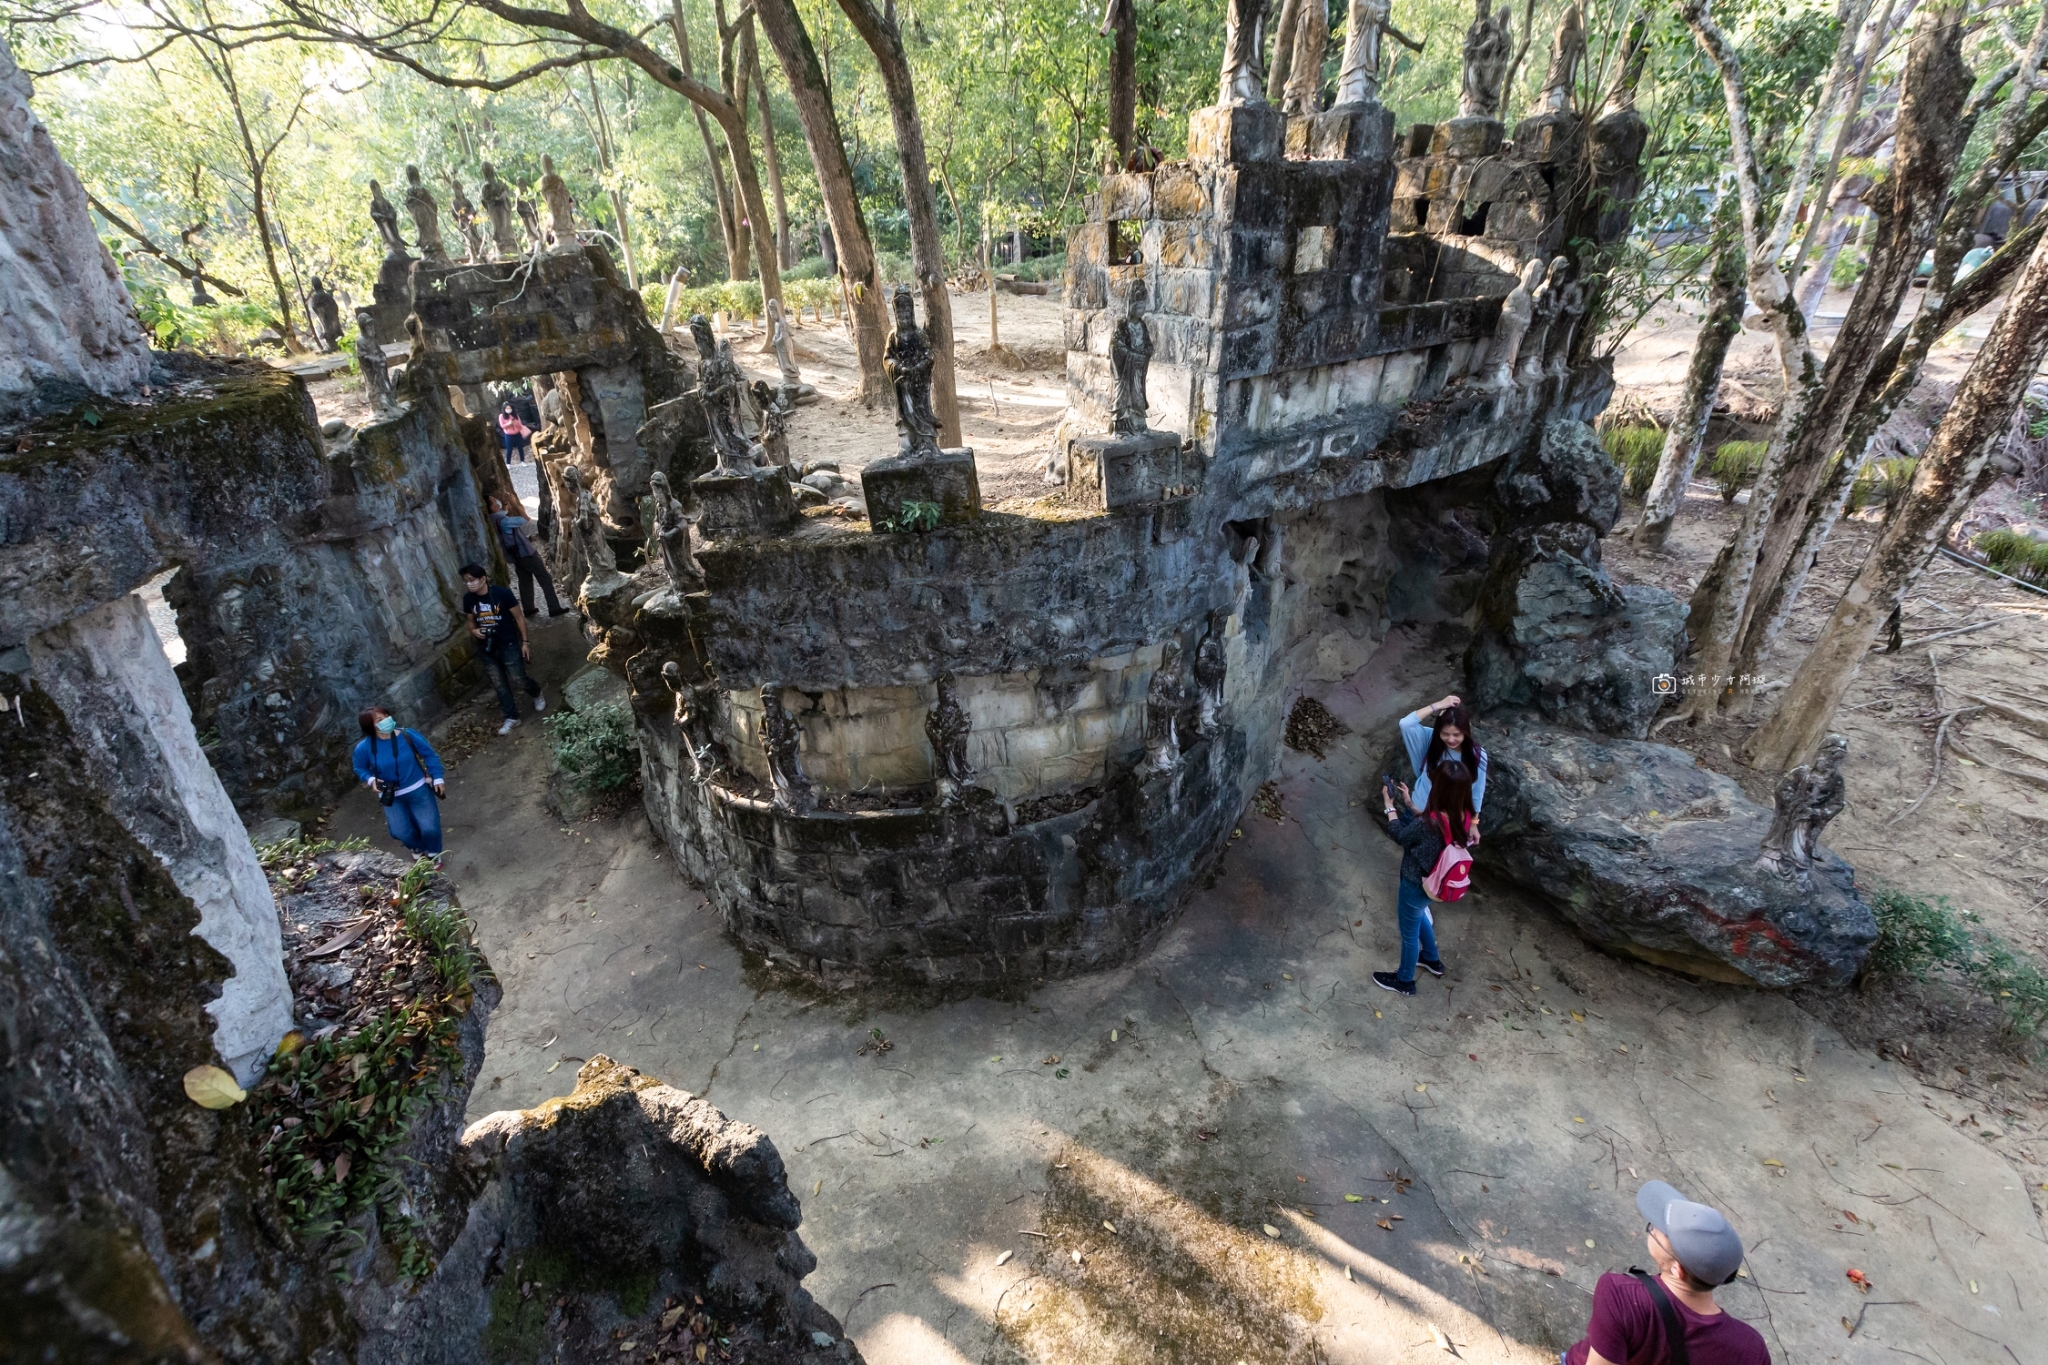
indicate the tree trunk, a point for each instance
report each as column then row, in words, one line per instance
column 792, row 44
column 1283, row 49
column 713, row 157
column 1120, row 23
column 927, row 248
column 1936, row 83
column 1848, row 206
column 1955, row 468
column 1681, row 456
column 785, row 254
column 733, row 76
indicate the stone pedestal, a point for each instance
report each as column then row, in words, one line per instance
column 1132, row 471
column 751, row 504
column 1349, row 132
column 1547, row 138
column 1469, row 137
column 1236, row 132
column 946, row 479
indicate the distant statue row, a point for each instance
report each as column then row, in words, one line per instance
column 1538, row 322
column 1298, row 49
column 502, row 241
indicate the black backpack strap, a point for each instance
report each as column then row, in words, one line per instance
column 1674, row 1328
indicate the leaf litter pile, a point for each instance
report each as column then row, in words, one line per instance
column 382, row 972
column 1311, row 729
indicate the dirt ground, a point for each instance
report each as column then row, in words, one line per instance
column 1235, row 1149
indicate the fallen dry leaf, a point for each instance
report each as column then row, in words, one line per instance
column 209, row 1087
column 671, row 1318
column 1859, row 1279
column 341, row 1165
column 1383, row 1224
column 1270, row 1230
column 1443, row 1343
column 1773, row 1161
column 1004, row 1259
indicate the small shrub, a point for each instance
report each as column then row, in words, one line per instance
column 1918, row 938
column 1848, row 268
column 916, row 516
column 809, row 268
column 2019, row 555
column 1735, row 466
column 598, row 747
column 1637, row 450
column 1882, row 483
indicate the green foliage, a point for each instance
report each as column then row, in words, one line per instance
column 1882, row 483
column 598, row 747
column 1637, row 450
column 286, row 852
column 1848, row 268
column 809, row 268
column 916, row 516
column 2019, row 555
column 1919, row 939
column 1735, row 465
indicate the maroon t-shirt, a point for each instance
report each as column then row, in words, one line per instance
column 1627, row 1329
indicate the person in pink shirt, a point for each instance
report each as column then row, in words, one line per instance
column 513, row 433
column 1670, row 1318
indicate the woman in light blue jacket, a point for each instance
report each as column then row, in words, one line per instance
column 1441, row 732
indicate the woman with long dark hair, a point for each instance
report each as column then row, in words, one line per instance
column 1439, row 735
column 402, row 768
column 1423, row 836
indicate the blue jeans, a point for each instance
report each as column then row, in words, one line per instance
column 506, row 669
column 415, row 821
column 1418, row 938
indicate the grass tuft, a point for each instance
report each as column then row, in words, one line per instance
column 1920, row 938
column 1637, row 449
column 1735, row 465
column 2019, row 555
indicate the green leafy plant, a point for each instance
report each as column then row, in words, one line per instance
column 1882, row 483
column 1848, row 268
column 1637, row 449
column 915, row 516
column 597, row 747
column 1735, row 465
column 286, row 852
column 1920, row 938
column 2019, row 555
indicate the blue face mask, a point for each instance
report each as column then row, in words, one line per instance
column 387, row 727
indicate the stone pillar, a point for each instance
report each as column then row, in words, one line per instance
column 622, row 410
column 108, row 674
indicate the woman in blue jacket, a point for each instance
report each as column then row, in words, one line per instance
column 1441, row 732
column 405, row 772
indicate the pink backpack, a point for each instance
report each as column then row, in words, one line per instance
column 1452, row 876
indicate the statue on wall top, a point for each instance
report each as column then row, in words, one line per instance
column 497, row 202
column 672, row 536
column 947, row 728
column 1130, row 358
column 1304, row 92
column 1365, row 65
column 561, row 208
column 1489, row 48
column 426, row 216
column 529, row 218
column 1244, row 45
column 386, row 219
column 1807, row 798
column 782, row 744
column 909, row 361
column 1565, row 55
column 466, row 225
column 718, row 384
column 326, row 315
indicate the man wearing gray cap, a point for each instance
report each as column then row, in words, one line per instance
column 1671, row 1318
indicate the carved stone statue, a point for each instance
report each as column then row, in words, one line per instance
column 586, row 527
column 466, row 225
column 773, row 426
column 529, row 218
column 1364, row 59
column 1564, row 324
column 1210, row 670
column 1544, row 302
column 1489, row 47
column 1515, row 315
column 1304, row 93
column 497, row 202
column 386, row 219
column 326, row 315
column 1808, row 797
column 426, row 216
column 718, row 384
column 1130, row 357
column 561, row 208
column 672, row 536
column 909, row 359
column 1162, row 710
column 1565, row 55
column 947, row 728
column 1244, row 46
column 782, row 743
column 697, row 718
column 376, row 378
column 785, row 351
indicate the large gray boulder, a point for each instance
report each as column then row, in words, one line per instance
column 1555, row 632
column 1648, row 854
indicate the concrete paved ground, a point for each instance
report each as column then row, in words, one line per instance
column 1215, row 1105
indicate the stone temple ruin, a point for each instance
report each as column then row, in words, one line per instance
column 1327, row 378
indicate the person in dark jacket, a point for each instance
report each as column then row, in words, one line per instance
column 1420, row 835
column 399, row 763
column 500, row 628
column 524, row 559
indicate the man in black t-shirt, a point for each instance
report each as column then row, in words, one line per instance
column 497, row 622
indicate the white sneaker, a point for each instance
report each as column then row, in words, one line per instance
column 506, row 728
column 540, row 702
